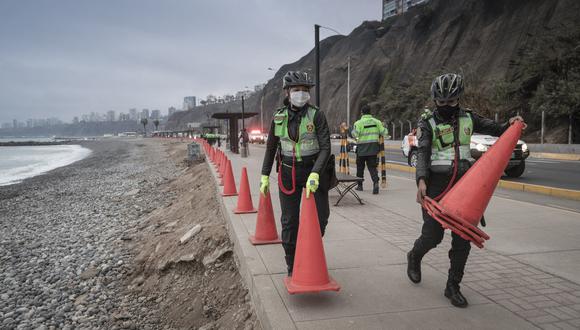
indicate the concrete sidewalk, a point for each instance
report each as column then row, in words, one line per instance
column 528, row 276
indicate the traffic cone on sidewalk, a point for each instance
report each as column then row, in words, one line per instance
column 310, row 273
column 245, row 204
column 212, row 155
column 229, row 182
column 462, row 207
column 266, row 232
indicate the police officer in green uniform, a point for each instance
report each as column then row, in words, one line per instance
column 367, row 131
column 444, row 137
column 299, row 139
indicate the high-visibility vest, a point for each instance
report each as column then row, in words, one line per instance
column 442, row 151
column 307, row 144
column 368, row 130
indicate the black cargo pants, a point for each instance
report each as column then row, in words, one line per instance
column 290, row 205
column 432, row 233
column 371, row 162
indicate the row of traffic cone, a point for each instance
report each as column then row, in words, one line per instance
column 310, row 270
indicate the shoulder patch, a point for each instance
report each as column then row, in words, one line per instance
column 427, row 114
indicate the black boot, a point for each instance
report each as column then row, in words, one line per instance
column 375, row 188
column 289, row 264
column 414, row 267
column 452, row 292
column 359, row 186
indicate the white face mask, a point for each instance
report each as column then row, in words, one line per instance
column 299, row 98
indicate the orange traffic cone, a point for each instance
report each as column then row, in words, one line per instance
column 310, row 273
column 218, row 162
column 462, row 207
column 229, row 182
column 245, row 204
column 266, row 232
column 212, row 155
column 222, row 168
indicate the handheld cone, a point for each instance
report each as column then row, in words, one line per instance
column 266, row 232
column 245, row 204
column 462, row 207
column 229, row 183
column 310, row 272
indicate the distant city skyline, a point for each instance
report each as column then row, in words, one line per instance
column 63, row 58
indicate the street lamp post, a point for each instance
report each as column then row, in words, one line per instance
column 317, row 61
column 348, row 92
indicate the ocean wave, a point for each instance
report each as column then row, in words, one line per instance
column 19, row 163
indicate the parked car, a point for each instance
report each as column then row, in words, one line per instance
column 334, row 136
column 256, row 136
column 479, row 145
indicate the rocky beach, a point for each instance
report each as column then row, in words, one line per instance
column 129, row 237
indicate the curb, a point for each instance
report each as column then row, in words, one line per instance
column 268, row 305
column 549, row 155
column 525, row 187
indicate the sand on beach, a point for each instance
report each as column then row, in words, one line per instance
column 97, row 244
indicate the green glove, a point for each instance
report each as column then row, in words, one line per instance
column 312, row 183
column 264, row 184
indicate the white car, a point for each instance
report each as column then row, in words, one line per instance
column 479, row 145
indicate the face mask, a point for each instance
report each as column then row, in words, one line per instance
column 299, row 98
column 447, row 110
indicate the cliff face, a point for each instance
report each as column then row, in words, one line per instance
column 393, row 62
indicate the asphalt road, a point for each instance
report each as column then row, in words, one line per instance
column 545, row 172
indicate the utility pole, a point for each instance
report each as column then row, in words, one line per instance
column 410, row 126
column 317, row 61
column 348, row 92
column 570, row 129
column 542, row 129
column 262, row 113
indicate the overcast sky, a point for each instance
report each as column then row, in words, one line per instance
column 68, row 57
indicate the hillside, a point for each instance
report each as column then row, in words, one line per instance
column 511, row 53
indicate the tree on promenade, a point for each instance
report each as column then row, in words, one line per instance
column 144, row 122
column 156, row 123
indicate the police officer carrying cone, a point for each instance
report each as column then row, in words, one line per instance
column 444, row 156
column 367, row 131
column 299, row 139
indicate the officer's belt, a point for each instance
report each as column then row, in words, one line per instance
column 306, row 161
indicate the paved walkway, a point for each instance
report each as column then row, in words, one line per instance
column 527, row 277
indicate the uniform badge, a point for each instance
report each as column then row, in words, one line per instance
column 310, row 127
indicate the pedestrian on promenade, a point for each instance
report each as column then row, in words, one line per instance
column 300, row 141
column 367, row 131
column 444, row 155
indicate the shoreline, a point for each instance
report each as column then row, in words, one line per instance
column 72, row 243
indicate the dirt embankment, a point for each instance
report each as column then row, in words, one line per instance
column 193, row 282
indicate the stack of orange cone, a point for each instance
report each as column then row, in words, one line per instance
column 310, row 273
column 462, row 207
column 245, row 204
column 229, row 182
column 266, row 232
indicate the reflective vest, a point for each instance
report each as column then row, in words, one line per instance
column 442, row 151
column 307, row 144
column 368, row 130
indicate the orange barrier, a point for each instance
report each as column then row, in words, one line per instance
column 245, row 204
column 462, row 207
column 310, row 273
column 266, row 232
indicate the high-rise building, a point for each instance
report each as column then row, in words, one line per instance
column 144, row 114
column 14, row 123
column 133, row 114
column 155, row 114
column 110, row 115
column 75, row 120
column 397, row 7
column 171, row 111
column 189, row 102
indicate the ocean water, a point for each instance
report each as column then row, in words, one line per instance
column 19, row 163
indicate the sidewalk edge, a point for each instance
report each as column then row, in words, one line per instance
column 263, row 293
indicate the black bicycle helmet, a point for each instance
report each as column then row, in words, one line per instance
column 447, row 87
column 296, row 78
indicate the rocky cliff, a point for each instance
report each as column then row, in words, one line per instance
column 495, row 44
